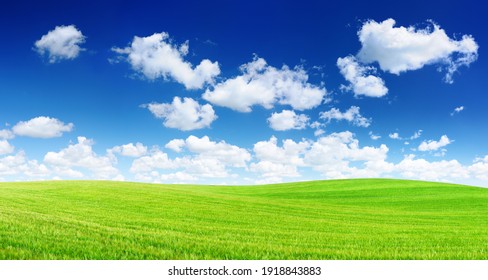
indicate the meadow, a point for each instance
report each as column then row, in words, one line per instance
column 336, row 219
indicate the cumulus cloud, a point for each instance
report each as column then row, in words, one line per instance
column 20, row 165
column 287, row 120
column 332, row 155
column 373, row 136
column 155, row 160
column 457, row 110
column 275, row 162
column 432, row 145
column 5, row 147
column 156, row 56
column 207, row 159
column 360, row 78
column 176, row 145
column 264, row 85
column 228, row 154
column 479, row 168
column 394, row 135
column 416, row 134
column 81, row 155
column 400, row 49
column 421, row 169
column 6, row 134
column 42, row 127
column 186, row 114
column 61, row 43
column 352, row 115
column 129, row 150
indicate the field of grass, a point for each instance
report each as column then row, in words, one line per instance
column 341, row 219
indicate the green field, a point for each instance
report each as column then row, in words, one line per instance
column 340, row 219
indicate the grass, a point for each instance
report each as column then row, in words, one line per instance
column 341, row 219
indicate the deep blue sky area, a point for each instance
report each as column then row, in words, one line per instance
column 85, row 115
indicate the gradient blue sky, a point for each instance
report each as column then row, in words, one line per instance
column 70, row 117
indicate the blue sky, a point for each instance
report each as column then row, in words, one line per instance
column 245, row 92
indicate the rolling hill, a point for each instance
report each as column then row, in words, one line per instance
column 336, row 219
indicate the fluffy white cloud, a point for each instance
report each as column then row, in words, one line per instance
column 394, row 135
column 416, row 134
column 277, row 162
column 333, row 154
column 61, row 43
column 287, row 120
column 352, row 115
column 373, row 136
column 268, row 169
column 82, row 155
column 360, row 78
column 5, row 147
column 289, row 153
column 226, row 153
column 422, row 169
column 20, row 165
column 176, row 145
column 432, row 145
column 479, row 169
column 155, row 160
column 155, row 56
column 400, row 49
column 264, row 85
column 42, row 127
column 457, row 110
column 184, row 114
column 6, row 134
column 209, row 159
column 178, row 177
column 129, row 150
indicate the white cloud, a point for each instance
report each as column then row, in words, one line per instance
column 289, row 153
column 228, row 154
column 155, row 56
column 209, row 159
column 178, row 177
column 433, row 145
column 155, row 160
column 18, row 164
column 360, row 79
column 42, row 127
column 264, row 85
column 416, row 134
column 352, row 115
column 176, row 145
column 373, row 136
column 184, row 114
column 422, row 169
column 400, row 49
column 82, row 155
column 333, row 154
column 394, row 135
column 268, row 169
column 277, row 162
column 287, row 120
column 5, row 147
column 61, row 43
column 6, row 134
column 479, row 168
column 129, row 150
column 457, row 110
column 318, row 132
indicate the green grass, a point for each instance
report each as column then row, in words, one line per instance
column 342, row 219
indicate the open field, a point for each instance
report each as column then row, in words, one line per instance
column 343, row 219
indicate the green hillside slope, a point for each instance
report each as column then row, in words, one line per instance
column 343, row 219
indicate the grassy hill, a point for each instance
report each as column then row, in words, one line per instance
column 341, row 219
